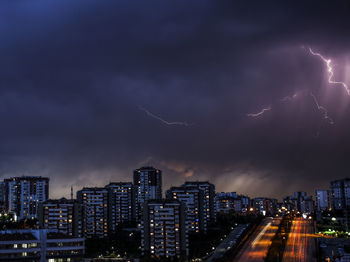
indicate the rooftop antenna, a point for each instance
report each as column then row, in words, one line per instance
column 71, row 192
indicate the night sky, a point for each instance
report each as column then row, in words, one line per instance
column 91, row 90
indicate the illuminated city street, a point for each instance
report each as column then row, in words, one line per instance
column 301, row 244
column 256, row 247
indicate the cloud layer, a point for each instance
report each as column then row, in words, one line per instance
column 74, row 75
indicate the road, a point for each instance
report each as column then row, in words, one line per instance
column 257, row 245
column 301, row 244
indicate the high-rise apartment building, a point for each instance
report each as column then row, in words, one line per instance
column 209, row 198
column 120, row 206
column 94, row 205
column 340, row 193
column 2, row 196
column 61, row 215
column 307, row 205
column 148, row 186
column 193, row 199
column 23, row 195
column 322, row 200
column 163, row 229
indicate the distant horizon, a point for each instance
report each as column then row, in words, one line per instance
column 59, row 194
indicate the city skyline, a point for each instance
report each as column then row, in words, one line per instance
column 167, row 225
column 188, row 130
column 254, row 100
column 148, row 186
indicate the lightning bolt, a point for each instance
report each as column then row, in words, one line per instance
column 162, row 120
column 294, row 96
column 288, row 98
column 262, row 111
column 330, row 70
column 321, row 108
column 282, row 100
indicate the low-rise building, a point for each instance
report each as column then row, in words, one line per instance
column 39, row 245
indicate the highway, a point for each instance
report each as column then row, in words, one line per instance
column 257, row 245
column 301, row 244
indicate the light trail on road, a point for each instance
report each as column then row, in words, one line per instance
column 257, row 245
column 260, row 234
column 300, row 246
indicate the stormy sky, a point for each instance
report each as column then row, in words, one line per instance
column 91, row 90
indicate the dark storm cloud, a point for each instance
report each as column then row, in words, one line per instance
column 74, row 74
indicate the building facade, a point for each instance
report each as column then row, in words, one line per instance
column 163, row 229
column 209, row 198
column 23, row 195
column 193, row 199
column 120, row 206
column 2, row 197
column 94, row 206
column 265, row 206
column 322, row 200
column 39, row 245
column 148, row 186
column 230, row 202
column 61, row 215
column 299, row 202
column 340, row 193
column 307, row 205
column 224, row 204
